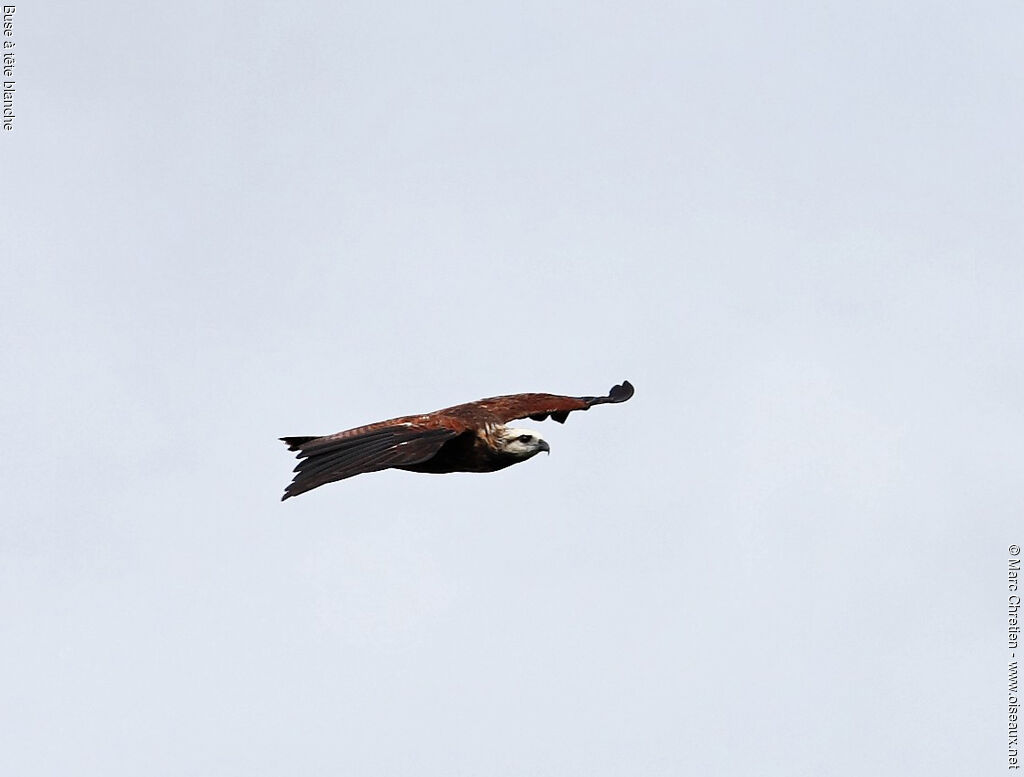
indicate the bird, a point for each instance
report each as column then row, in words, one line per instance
column 471, row 437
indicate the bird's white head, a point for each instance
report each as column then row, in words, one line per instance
column 521, row 443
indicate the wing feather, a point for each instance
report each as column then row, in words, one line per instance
column 344, row 458
column 368, row 449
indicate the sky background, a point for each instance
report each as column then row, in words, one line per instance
column 795, row 227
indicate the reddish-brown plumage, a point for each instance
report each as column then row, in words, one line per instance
column 462, row 438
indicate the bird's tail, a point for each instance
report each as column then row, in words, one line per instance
column 294, row 443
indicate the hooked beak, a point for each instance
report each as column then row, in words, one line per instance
column 544, row 447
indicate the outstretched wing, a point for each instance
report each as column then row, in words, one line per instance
column 365, row 449
column 539, row 406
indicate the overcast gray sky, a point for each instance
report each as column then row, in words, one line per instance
column 795, row 227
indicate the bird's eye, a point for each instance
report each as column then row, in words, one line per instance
column 525, row 438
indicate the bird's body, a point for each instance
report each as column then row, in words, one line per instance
column 464, row 438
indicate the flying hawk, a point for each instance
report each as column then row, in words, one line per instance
column 465, row 438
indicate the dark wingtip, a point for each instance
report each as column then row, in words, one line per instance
column 617, row 394
column 621, row 393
